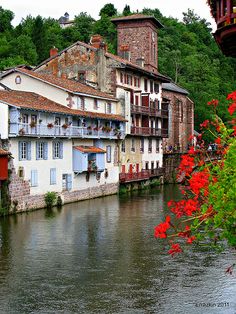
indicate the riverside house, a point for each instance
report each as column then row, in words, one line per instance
column 63, row 137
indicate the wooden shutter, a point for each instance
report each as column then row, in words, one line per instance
column 28, row 148
column 53, row 179
column 61, row 150
column 45, row 150
column 69, row 182
column 34, row 178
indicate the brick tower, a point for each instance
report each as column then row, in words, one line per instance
column 137, row 40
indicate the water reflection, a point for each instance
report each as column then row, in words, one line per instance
column 99, row 256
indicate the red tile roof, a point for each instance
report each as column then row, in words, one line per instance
column 3, row 152
column 67, row 84
column 89, row 149
column 34, row 101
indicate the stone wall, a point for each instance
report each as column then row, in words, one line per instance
column 181, row 121
column 171, row 162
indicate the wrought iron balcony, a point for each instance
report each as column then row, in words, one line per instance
column 142, row 175
column 146, row 110
column 50, row 130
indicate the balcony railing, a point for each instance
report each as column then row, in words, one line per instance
column 135, row 130
column 142, row 175
column 24, row 129
column 146, row 110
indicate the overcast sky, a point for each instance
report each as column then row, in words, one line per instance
column 55, row 9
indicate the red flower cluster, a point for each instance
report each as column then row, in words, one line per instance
column 175, row 248
column 160, row 230
column 199, row 181
column 183, row 207
column 186, row 165
column 232, row 108
column 205, row 124
column 213, row 103
column 232, row 96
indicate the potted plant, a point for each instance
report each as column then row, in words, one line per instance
column 65, row 126
column 50, row 125
column 22, row 131
column 33, row 124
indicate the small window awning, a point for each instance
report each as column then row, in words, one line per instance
column 89, row 149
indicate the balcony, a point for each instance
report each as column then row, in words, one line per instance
column 146, row 131
column 146, row 110
column 134, row 176
column 139, row 176
column 50, row 130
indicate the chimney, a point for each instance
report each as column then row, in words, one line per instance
column 53, row 52
column 97, row 42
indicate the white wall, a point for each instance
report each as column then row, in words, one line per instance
column 4, row 116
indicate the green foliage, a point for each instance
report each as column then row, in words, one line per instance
column 108, row 10
column 84, row 26
column 126, row 10
column 50, row 199
column 6, row 16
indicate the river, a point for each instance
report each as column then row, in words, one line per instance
column 100, row 256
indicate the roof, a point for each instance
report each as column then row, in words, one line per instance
column 33, row 101
column 64, row 50
column 4, row 152
column 138, row 68
column 89, row 149
column 174, row 88
column 135, row 17
column 66, row 84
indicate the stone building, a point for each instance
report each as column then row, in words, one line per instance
column 181, row 118
column 131, row 76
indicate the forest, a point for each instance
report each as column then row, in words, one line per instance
column 187, row 51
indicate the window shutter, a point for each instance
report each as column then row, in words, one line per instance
column 61, row 150
column 45, row 151
column 53, row 150
column 69, row 182
column 34, row 178
column 37, row 150
column 53, row 176
column 20, row 150
column 28, row 151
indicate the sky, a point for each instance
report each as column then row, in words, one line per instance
column 55, row 9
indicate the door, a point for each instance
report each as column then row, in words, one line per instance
column 123, row 168
column 137, row 168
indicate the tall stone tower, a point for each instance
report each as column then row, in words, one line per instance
column 137, row 40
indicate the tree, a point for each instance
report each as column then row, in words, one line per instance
column 126, row 10
column 108, row 10
column 39, row 38
column 6, row 16
column 84, row 26
column 23, row 46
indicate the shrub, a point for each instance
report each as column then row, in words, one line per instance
column 50, row 199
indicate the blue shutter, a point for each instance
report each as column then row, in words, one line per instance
column 53, row 150
column 45, row 150
column 37, row 150
column 28, row 150
column 53, row 179
column 20, row 150
column 61, row 150
column 34, row 178
column 69, row 182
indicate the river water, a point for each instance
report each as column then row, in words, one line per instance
column 99, row 256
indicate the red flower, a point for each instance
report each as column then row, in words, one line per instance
column 205, row 124
column 191, row 151
column 213, row 103
column 232, row 96
column 160, row 230
column 175, row 248
column 232, row 108
column 199, row 181
column 234, row 128
column 186, row 165
column 218, row 141
column 190, row 240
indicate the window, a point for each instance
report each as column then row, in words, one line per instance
column 132, row 145
column 145, row 85
column 34, row 178
column 57, row 121
column 108, row 154
column 157, row 146
column 156, row 88
column 24, row 150
column 41, row 150
column 57, row 150
column 150, row 145
column 123, row 146
column 135, row 81
column 151, row 87
column 108, row 108
column 95, row 104
column 147, row 165
column 142, row 145
column 80, row 103
column 121, row 77
column 66, row 182
column 81, row 76
column 136, row 100
column 18, row 79
column 53, row 177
